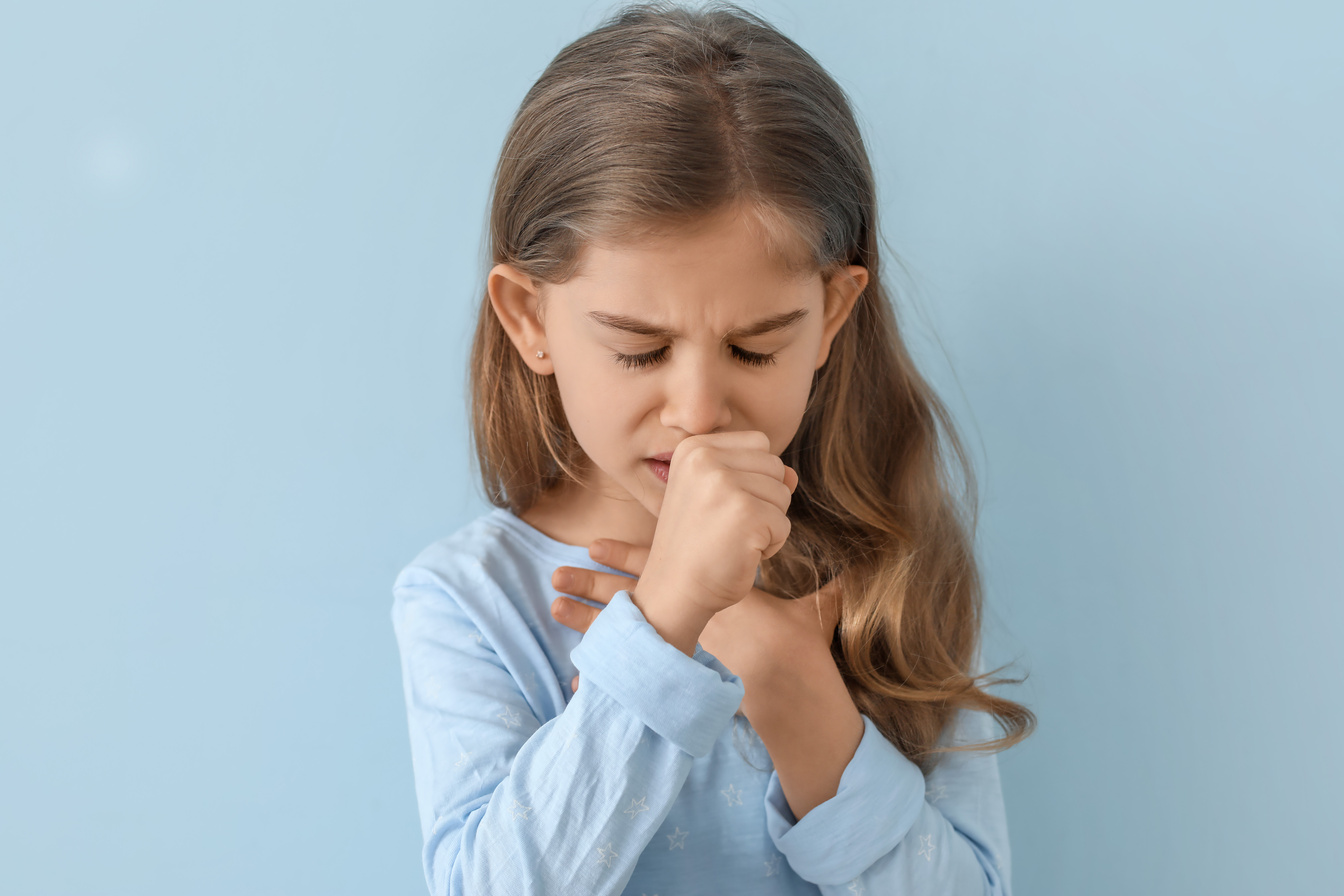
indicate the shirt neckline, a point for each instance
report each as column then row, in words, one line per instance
column 572, row 554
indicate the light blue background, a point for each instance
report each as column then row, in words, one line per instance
column 239, row 265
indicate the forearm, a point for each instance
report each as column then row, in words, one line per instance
column 808, row 723
column 959, row 846
column 511, row 803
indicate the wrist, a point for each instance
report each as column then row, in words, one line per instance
column 678, row 622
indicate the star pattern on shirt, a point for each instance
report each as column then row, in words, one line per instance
column 442, row 688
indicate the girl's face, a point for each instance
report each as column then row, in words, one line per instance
column 694, row 333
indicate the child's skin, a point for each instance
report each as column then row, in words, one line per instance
column 696, row 541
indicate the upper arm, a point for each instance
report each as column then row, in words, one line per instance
column 467, row 717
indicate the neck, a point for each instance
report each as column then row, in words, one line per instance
column 581, row 514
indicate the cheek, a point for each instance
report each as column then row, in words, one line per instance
column 597, row 403
column 779, row 403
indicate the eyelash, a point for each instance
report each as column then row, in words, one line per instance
column 653, row 357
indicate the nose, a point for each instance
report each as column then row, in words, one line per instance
column 696, row 400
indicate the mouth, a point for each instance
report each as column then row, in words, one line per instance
column 660, row 468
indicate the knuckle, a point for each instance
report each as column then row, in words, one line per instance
column 740, row 502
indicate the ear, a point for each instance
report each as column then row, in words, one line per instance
column 517, row 303
column 842, row 290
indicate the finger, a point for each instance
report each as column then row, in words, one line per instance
column 747, row 460
column 764, row 489
column 767, row 489
column 620, row 555
column 574, row 685
column 778, row 534
column 572, row 614
column 761, row 473
column 737, row 440
column 589, row 583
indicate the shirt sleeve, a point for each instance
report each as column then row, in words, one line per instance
column 511, row 804
column 889, row 830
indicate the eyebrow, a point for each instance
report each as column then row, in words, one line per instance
column 643, row 328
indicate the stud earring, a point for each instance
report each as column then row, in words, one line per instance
column 541, row 354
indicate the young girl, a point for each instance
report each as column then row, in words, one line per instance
column 698, row 423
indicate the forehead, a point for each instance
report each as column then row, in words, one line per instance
column 743, row 226
column 726, row 266
column 671, row 297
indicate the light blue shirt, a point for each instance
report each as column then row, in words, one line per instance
column 646, row 780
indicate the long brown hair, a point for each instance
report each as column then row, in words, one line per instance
column 662, row 115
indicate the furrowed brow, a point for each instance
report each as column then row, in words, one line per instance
column 643, row 328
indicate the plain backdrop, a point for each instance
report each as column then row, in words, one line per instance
column 240, row 260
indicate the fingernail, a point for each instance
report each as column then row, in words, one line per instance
column 559, row 607
column 564, row 580
column 599, row 551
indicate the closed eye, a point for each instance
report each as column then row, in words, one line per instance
column 653, row 357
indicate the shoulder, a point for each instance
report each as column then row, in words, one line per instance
column 479, row 561
column 496, row 568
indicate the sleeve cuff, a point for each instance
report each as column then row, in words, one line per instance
column 686, row 700
column 829, row 846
